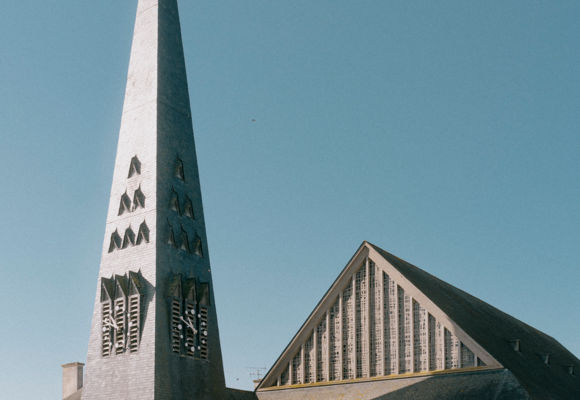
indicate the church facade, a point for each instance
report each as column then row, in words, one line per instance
column 388, row 330
column 384, row 330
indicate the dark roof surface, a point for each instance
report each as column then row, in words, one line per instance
column 236, row 394
column 495, row 330
column 482, row 385
column 498, row 384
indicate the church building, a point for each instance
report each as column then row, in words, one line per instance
column 384, row 330
column 389, row 330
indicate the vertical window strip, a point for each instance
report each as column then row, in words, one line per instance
column 309, row 361
column 394, row 327
column 376, row 322
column 420, row 346
column 296, row 376
column 322, row 349
column 360, row 322
column 334, row 337
column 284, row 377
column 467, row 357
column 403, row 331
column 455, row 351
column 433, row 348
column 451, row 351
column 348, row 333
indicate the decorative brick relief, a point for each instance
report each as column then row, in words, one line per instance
column 125, row 204
column 184, row 241
column 197, row 246
column 134, row 167
column 143, row 234
column 116, row 241
column 129, row 238
column 189, row 308
column 171, row 236
column 179, row 172
column 188, row 208
column 120, row 314
column 174, row 202
column 138, row 199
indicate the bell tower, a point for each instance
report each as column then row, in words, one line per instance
column 154, row 332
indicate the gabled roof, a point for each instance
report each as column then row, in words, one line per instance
column 499, row 339
column 498, row 332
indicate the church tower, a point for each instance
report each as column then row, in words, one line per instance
column 154, row 332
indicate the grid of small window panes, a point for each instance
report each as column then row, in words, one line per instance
column 374, row 328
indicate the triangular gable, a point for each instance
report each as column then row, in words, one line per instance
column 374, row 322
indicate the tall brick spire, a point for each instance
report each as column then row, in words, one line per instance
column 154, row 332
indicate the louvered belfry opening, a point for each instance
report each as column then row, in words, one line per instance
column 189, row 306
column 374, row 327
column 134, row 316
column 120, row 314
column 155, row 226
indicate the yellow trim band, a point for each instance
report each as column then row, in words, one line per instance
column 380, row 378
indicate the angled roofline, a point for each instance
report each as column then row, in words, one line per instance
column 316, row 308
column 475, row 317
column 364, row 251
column 472, row 317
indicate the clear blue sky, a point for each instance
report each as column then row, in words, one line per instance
column 448, row 134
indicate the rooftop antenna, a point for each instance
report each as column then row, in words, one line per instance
column 257, row 373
